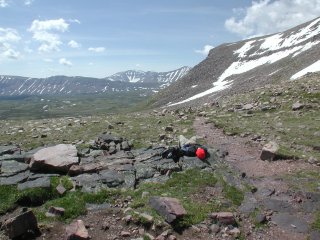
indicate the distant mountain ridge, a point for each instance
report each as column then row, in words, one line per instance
column 145, row 83
column 240, row 66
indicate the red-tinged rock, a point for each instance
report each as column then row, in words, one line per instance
column 226, row 218
column 169, row 208
column 77, row 231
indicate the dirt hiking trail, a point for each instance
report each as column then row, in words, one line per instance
column 289, row 218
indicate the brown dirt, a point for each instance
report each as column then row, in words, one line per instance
column 244, row 155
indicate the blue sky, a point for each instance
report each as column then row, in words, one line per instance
column 96, row 38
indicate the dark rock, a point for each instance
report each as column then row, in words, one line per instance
column 87, row 181
column 108, row 138
column 169, row 129
column 10, row 168
column 77, row 231
column 34, row 176
column 157, row 179
column 269, row 151
column 144, row 171
column 265, row 192
column 38, row 183
column 248, row 205
column 20, row 177
column 58, row 158
column 23, row 158
column 20, row 225
column 290, row 222
column 170, row 208
column 111, row 178
column 260, row 218
column 193, row 162
column 277, row 205
column 164, row 165
column 10, row 149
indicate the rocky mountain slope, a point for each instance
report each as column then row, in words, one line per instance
column 242, row 66
column 145, row 82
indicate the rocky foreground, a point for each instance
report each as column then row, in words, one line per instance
column 108, row 163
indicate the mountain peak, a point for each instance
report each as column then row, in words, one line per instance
column 244, row 65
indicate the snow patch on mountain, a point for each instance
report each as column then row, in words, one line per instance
column 311, row 69
column 262, row 51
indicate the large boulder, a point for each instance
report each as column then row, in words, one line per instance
column 170, row 208
column 58, row 159
column 20, row 225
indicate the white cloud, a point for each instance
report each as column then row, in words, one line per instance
column 12, row 54
column 74, row 44
column 97, row 49
column 4, row 3
column 205, row 51
column 270, row 16
column 59, row 25
column 90, row 63
column 8, row 37
column 43, row 33
column 28, row 2
column 65, row 62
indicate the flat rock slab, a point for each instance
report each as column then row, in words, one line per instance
column 277, row 205
column 288, row 221
column 170, row 208
column 55, row 159
column 13, row 167
column 13, row 180
column 38, row 183
column 193, row 162
column 11, row 149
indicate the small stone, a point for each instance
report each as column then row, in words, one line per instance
column 261, row 218
column 125, row 234
column 61, row 189
column 172, row 237
column 77, row 230
column 297, row 106
column 235, row 232
column 145, row 194
column 105, row 226
column 127, row 218
column 269, row 151
column 214, row 228
column 55, row 211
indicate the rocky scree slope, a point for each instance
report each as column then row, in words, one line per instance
column 147, row 82
column 241, row 66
